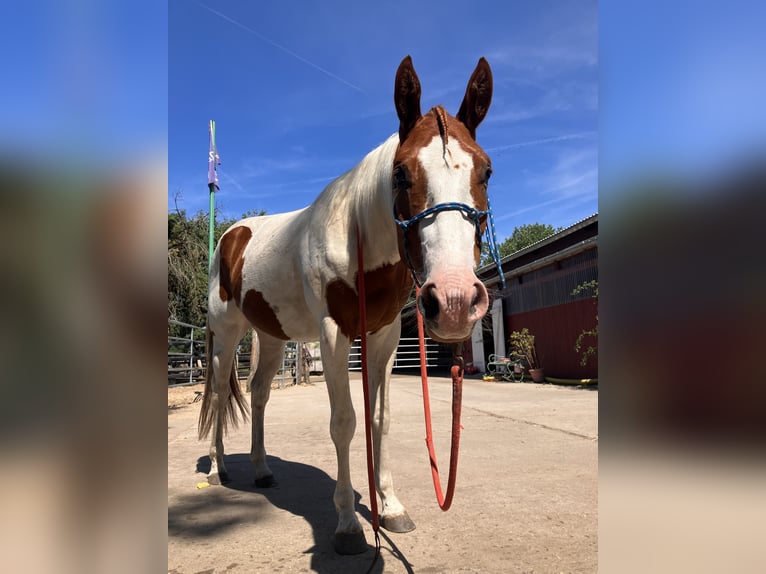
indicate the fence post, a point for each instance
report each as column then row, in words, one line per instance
column 191, row 355
column 176, row 365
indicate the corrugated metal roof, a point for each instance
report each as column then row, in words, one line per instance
column 536, row 245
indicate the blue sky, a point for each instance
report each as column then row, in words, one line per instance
column 85, row 82
column 301, row 91
column 682, row 88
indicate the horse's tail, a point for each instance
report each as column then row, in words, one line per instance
column 208, row 410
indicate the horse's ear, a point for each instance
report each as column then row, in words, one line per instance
column 478, row 96
column 406, row 97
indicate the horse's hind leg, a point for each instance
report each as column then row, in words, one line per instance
column 222, row 363
column 382, row 349
column 269, row 359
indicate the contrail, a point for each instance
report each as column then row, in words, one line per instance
column 280, row 47
column 231, row 179
column 508, row 215
column 581, row 135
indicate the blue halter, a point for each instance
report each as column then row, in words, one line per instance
column 472, row 214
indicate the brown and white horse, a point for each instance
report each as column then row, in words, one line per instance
column 293, row 276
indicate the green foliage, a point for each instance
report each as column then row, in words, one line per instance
column 522, row 236
column 580, row 345
column 523, row 343
column 586, row 286
column 188, row 262
column 187, row 267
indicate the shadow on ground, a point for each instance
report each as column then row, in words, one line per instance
column 301, row 489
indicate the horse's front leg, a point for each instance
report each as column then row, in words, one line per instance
column 349, row 536
column 382, row 350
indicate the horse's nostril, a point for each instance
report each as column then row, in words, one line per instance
column 479, row 302
column 431, row 307
column 429, row 303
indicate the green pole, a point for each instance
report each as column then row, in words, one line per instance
column 212, row 184
column 211, row 242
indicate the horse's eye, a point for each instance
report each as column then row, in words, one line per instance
column 487, row 174
column 401, row 177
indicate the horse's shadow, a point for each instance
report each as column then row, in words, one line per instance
column 302, row 490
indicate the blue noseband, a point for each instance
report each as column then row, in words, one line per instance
column 468, row 211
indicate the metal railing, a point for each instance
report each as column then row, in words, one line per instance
column 407, row 355
column 288, row 373
column 187, row 364
column 186, row 353
column 289, row 368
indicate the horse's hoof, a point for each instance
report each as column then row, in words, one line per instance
column 350, row 543
column 266, row 481
column 398, row 523
column 218, row 478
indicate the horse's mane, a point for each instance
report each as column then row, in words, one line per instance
column 367, row 190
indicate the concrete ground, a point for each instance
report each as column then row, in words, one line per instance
column 526, row 497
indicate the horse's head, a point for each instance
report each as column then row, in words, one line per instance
column 440, row 178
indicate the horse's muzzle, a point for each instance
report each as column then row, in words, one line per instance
column 451, row 305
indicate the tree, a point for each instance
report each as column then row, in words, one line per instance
column 522, row 236
column 188, row 262
column 187, row 267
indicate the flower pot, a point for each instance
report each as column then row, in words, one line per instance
column 537, row 375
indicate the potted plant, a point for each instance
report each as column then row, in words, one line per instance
column 523, row 343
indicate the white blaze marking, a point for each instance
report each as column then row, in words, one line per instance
column 447, row 237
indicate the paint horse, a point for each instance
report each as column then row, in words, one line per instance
column 293, row 276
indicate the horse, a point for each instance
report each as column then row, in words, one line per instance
column 416, row 205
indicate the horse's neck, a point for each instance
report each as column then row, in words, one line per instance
column 373, row 204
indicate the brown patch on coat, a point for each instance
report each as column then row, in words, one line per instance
column 232, row 251
column 262, row 315
column 479, row 184
column 406, row 97
column 387, row 289
column 412, row 200
column 481, row 163
column 478, row 96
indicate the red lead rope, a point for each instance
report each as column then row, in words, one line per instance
column 445, row 501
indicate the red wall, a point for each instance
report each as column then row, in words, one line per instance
column 556, row 329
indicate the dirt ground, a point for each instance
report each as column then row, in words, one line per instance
column 526, row 497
